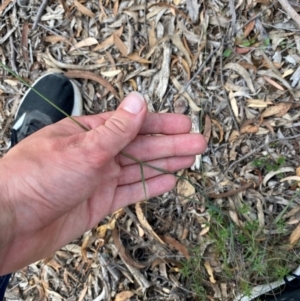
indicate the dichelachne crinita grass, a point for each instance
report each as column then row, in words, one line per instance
column 243, row 248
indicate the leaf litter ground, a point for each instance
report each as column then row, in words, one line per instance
column 233, row 67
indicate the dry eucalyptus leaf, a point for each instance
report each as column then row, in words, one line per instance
column 273, row 83
column 123, row 296
column 193, row 10
column 221, row 131
column 120, row 45
column 258, row 103
column 242, row 72
column 295, row 235
column 142, row 219
column 123, row 254
column 279, row 109
column 207, row 128
column 185, row 189
column 83, row 9
column 135, row 57
column 274, row 173
column 85, row 43
column 109, row 41
column 111, row 73
column 249, row 129
column 234, row 105
column 209, row 271
column 176, row 245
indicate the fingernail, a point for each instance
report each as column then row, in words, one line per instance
column 133, row 103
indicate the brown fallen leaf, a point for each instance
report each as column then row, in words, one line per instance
column 120, row 45
column 242, row 72
column 123, row 296
column 249, row 129
column 273, row 83
column 142, row 219
column 185, row 189
column 83, row 9
column 25, row 42
column 209, row 271
column 242, row 50
column 109, row 41
column 135, row 57
column 207, row 128
column 102, row 229
column 176, row 245
column 233, row 136
column 92, row 76
column 248, row 28
column 221, row 131
column 295, row 235
column 122, row 252
column 55, row 39
column 4, row 5
column 248, row 66
column 85, row 43
column 279, row 109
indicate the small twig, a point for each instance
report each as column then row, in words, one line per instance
column 231, row 192
column 257, row 150
column 222, row 78
column 290, row 11
column 39, row 14
column 199, row 70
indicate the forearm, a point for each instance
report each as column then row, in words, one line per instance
column 7, row 216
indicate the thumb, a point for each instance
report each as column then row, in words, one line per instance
column 122, row 127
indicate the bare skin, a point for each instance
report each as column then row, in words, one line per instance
column 61, row 181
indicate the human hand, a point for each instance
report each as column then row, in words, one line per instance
column 61, row 181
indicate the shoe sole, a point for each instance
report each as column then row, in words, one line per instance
column 265, row 288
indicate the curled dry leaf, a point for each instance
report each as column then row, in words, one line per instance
column 279, row 109
column 123, row 254
column 178, row 43
column 209, row 271
column 221, row 131
column 83, row 9
column 233, row 136
column 242, row 72
column 176, row 245
column 249, row 129
column 207, row 128
column 123, row 296
column 101, row 230
column 142, row 219
column 274, row 173
column 295, row 235
column 92, row 76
